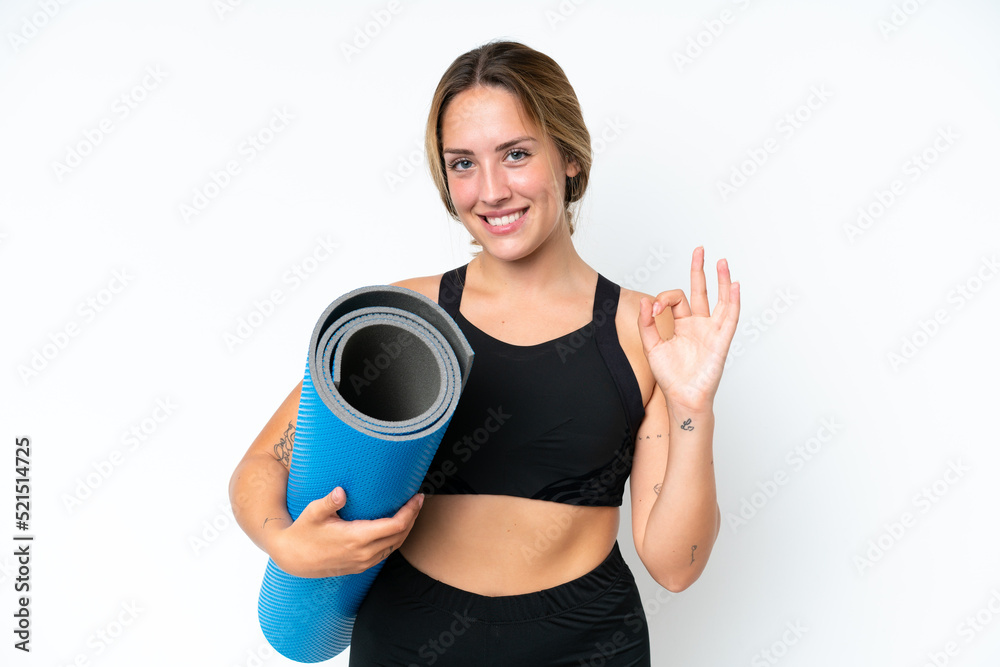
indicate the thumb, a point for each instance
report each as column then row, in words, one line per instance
column 327, row 506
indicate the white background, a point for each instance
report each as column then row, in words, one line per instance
column 822, row 310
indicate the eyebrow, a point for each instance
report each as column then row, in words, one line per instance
column 501, row 147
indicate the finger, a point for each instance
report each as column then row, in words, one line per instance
column 394, row 529
column 411, row 508
column 725, row 280
column 385, row 545
column 699, row 292
column 391, row 526
column 382, row 549
column 674, row 299
column 648, row 333
column 732, row 313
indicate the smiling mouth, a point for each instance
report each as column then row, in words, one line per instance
column 505, row 220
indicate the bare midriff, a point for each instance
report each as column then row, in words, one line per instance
column 505, row 545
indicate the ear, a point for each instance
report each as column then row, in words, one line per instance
column 572, row 168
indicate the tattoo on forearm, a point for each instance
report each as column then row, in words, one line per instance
column 650, row 437
column 273, row 518
column 656, row 489
column 687, row 425
column 693, row 547
column 283, row 450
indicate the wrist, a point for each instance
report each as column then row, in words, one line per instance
column 685, row 419
column 678, row 408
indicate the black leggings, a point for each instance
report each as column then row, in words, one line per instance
column 409, row 619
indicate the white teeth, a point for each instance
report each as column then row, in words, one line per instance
column 507, row 219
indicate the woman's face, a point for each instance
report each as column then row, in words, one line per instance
column 506, row 180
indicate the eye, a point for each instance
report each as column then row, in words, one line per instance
column 461, row 164
column 515, row 152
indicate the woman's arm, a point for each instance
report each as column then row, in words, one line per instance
column 675, row 512
column 319, row 543
column 259, row 484
column 682, row 521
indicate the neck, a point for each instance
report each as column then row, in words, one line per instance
column 554, row 267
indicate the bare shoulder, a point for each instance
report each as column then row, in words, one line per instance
column 628, row 303
column 627, row 320
column 426, row 285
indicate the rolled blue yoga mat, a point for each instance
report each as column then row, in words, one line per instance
column 384, row 372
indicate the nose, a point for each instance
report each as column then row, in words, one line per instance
column 493, row 186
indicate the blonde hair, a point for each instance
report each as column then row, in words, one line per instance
column 545, row 94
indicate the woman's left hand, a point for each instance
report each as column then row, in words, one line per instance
column 688, row 366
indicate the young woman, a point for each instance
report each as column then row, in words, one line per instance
column 509, row 555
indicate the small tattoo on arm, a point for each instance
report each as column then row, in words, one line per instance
column 283, row 450
column 656, row 489
column 693, row 547
column 687, row 425
column 273, row 518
